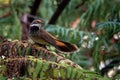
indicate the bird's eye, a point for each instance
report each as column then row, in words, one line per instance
column 40, row 22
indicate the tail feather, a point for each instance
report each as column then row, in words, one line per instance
column 65, row 46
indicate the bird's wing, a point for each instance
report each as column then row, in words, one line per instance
column 58, row 44
column 47, row 37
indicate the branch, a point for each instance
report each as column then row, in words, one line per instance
column 58, row 11
column 34, row 9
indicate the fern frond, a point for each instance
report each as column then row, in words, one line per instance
column 70, row 35
column 18, row 62
column 92, row 9
column 106, row 31
column 37, row 68
column 109, row 27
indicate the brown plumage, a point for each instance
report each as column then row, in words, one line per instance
column 40, row 36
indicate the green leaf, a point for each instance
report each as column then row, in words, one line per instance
column 37, row 69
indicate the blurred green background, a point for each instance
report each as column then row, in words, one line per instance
column 93, row 25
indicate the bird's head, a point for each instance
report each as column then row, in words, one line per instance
column 36, row 24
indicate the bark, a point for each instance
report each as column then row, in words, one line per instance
column 58, row 11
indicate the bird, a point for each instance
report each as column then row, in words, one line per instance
column 38, row 35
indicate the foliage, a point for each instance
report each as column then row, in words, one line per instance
column 93, row 25
column 14, row 63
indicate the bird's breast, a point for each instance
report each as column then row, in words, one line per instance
column 37, row 39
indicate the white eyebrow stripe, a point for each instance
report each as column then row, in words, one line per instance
column 35, row 25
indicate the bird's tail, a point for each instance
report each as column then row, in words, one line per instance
column 65, row 46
